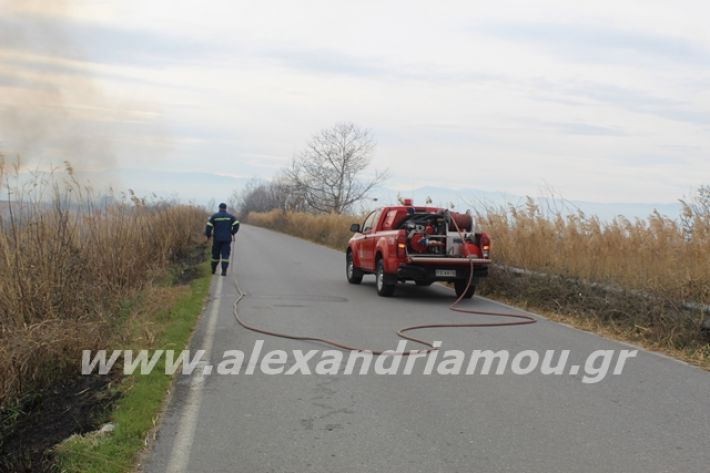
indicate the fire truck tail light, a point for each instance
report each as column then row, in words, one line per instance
column 401, row 243
column 485, row 243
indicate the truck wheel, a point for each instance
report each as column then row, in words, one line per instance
column 353, row 274
column 460, row 287
column 383, row 289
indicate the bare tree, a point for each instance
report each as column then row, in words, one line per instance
column 256, row 196
column 260, row 196
column 328, row 176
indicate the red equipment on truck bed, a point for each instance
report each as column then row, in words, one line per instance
column 421, row 244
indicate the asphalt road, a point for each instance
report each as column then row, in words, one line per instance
column 654, row 417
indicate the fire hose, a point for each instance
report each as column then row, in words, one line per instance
column 521, row 319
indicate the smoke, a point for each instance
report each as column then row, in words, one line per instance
column 50, row 108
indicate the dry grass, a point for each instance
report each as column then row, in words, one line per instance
column 332, row 230
column 658, row 255
column 66, row 266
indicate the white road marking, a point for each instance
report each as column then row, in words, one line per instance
column 180, row 455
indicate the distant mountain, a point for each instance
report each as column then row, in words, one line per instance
column 463, row 199
column 202, row 188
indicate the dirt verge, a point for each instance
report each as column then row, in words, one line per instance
column 650, row 321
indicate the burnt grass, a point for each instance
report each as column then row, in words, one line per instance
column 39, row 422
column 632, row 315
column 187, row 266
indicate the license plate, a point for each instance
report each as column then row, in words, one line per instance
column 445, row 273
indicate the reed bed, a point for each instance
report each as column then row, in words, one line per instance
column 658, row 255
column 68, row 263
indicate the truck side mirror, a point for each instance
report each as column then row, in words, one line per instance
column 355, row 227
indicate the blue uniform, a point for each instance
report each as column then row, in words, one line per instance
column 221, row 227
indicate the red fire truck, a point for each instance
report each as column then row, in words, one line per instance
column 420, row 244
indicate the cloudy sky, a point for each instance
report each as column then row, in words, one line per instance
column 602, row 101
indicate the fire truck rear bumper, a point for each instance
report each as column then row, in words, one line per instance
column 429, row 273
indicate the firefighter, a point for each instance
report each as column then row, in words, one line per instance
column 221, row 227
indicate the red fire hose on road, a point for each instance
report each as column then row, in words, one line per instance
column 522, row 319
